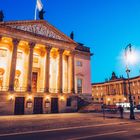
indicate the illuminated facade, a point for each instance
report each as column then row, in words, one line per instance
column 41, row 69
column 116, row 90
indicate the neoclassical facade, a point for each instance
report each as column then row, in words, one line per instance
column 41, row 69
column 116, row 90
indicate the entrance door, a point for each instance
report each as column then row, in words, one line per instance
column 38, row 103
column 34, row 81
column 19, row 106
column 54, row 105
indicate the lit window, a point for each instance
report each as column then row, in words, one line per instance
column 36, row 58
column 79, row 63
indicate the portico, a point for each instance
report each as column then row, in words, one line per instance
column 38, row 68
column 25, row 62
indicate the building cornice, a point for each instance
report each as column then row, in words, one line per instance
column 137, row 78
column 27, row 36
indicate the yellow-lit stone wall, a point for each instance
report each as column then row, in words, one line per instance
column 112, row 92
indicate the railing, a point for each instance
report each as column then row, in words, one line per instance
column 86, row 97
column 40, row 90
column 20, row 89
column 53, row 90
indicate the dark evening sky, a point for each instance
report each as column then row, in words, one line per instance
column 106, row 26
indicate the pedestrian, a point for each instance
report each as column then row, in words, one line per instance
column 103, row 110
column 121, row 111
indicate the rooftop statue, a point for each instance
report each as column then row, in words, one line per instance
column 41, row 14
column 72, row 35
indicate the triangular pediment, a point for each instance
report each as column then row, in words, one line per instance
column 39, row 27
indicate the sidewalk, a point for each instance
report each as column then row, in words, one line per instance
column 117, row 115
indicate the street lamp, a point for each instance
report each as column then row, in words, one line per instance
column 129, row 58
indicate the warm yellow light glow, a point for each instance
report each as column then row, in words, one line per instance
column 48, row 97
column 6, row 40
column 108, row 99
column 54, row 53
column 39, row 51
column 62, row 98
column 66, row 52
column 124, row 99
column 11, row 97
column 23, row 43
column 40, row 46
column 29, row 97
column 23, row 46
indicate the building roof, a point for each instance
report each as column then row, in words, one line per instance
column 38, row 27
column 118, row 79
column 42, row 29
column 82, row 47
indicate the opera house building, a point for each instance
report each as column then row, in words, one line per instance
column 41, row 69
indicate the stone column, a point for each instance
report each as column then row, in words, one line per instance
column 13, row 64
column 60, row 71
column 47, row 69
column 30, row 66
column 72, row 73
column 0, row 37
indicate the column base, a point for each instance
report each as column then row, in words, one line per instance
column 47, row 90
column 11, row 88
column 29, row 89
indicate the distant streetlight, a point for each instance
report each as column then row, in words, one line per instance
column 130, row 58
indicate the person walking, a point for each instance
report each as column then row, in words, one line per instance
column 121, row 111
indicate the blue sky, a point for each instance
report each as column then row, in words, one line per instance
column 106, row 26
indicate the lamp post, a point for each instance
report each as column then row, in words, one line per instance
column 128, row 53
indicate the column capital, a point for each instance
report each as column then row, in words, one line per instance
column 72, row 53
column 32, row 44
column 15, row 41
column 48, row 48
column 61, row 51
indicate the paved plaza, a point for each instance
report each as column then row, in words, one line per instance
column 72, row 126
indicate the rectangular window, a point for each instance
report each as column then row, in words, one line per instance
column 79, row 85
column 19, row 55
column 79, row 63
column 68, row 101
column 36, row 58
column 3, row 52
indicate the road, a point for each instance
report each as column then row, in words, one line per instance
column 73, row 127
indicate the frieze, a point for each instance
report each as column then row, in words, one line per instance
column 38, row 29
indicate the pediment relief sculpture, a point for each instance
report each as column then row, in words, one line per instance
column 39, row 29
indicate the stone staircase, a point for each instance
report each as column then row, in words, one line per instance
column 92, row 107
column 84, row 100
column 86, row 104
